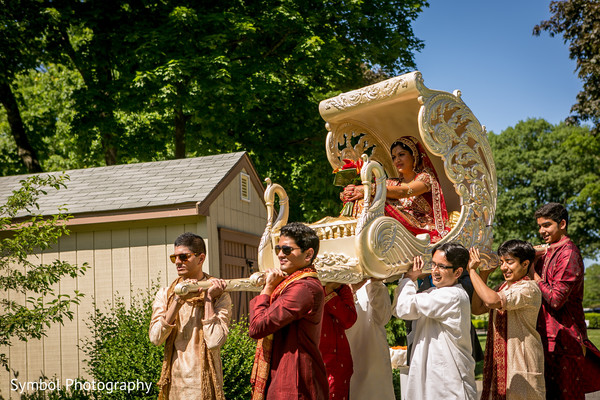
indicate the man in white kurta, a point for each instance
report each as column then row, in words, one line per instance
column 441, row 366
column 372, row 376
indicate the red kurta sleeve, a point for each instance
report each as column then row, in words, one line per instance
column 341, row 306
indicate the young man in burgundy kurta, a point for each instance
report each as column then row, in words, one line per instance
column 561, row 322
column 286, row 317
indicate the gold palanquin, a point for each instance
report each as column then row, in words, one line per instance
column 368, row 121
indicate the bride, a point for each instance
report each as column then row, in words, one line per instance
column 415, row 199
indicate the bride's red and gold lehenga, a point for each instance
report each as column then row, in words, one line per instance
column 425, row 213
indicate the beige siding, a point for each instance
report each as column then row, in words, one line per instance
column 121, row 264
column 86, row 285
column 69, row 355
column 138, row 255
column 236, row 214
column 231, row 212
column 52, row 349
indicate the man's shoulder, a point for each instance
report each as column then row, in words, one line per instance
column 527, row 286
column 568, row 250
column 310, row 284
column 161, row 296
column 566, row 244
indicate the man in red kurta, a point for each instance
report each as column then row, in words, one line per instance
column 339, row 314
column 561, row 322
column 286, row 318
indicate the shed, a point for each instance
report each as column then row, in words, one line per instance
column 125, row 219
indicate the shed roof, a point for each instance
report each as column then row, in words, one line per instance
column 186, row 183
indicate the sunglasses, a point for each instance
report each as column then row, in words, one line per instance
column 183, row 257
column 287, row 250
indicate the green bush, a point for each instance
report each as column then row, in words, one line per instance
column 480, row 323
column 62, row 394
column 594, row 320
column 238, row 355
column 119, row 349
column 395, row 329
column 396, row 378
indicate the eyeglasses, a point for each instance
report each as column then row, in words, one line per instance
column 183, row 256
column 287, row 250
column 432, row 265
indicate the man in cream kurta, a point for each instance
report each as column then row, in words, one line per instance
column 193, row 326
column 189, row 349
column 442, row 366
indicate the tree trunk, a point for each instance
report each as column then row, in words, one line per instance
column 103, row 110
column 110, row 151
column 180, row 121
column 24, row 148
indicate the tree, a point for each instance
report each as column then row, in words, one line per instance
column 21, row 274
column 579, row 23
column 164, row 79
column 249, row 76
column 21, row 42
column 47, row 111
column 591, row 287
column 537, row 163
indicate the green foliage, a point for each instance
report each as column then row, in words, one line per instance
column 162, row 79
column 237, row 355
column 577, row 21
column 395, row 329
column 594, row 320
column 591, row 287
column 23, row 274
column 119, row 349
column 43, row 393
column 480, row 323
column 396, row 383
column 537, row 163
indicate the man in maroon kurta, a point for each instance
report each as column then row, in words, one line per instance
column 561, row 323
column 339, row 314
column 286, row 317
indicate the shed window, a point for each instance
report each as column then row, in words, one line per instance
column 245, row 186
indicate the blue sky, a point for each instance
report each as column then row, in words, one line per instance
column 486, row 49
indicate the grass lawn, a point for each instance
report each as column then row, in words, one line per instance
column 593, row 335
column 479, row 365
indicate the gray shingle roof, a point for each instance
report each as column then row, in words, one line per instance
column 128, row 186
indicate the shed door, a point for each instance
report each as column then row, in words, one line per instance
column 239, row 259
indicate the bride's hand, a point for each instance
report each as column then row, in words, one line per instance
column 353, row 192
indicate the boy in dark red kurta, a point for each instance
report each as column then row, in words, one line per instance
column 561, row 323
